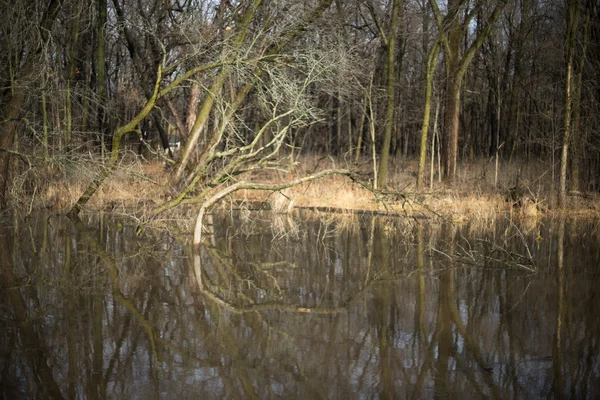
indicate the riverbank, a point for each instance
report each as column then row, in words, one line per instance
column 137, row 187
column 523, row 190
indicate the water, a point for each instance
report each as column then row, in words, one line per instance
column 318, row 306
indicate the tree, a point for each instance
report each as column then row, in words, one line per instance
column 390, row 68
column 22, row 72
column 279, row 81
column 101, row 81
column 577, row 137
column 76, row 74
column 237, row 39
column 453, row 31
column 573, row 12
column 431, row 64
column 515, row 111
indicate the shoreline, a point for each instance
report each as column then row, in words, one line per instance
column 138, row 186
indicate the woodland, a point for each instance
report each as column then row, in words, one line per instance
column 248, row 87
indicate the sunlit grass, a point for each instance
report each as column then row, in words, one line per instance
column 139, row 185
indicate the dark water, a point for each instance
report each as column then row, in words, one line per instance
column 332, row 307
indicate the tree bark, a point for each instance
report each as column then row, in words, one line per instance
column 390, row 96
column 431, row 63
column 101, row 73
column 577, row 138
column 205, row 109
column 456, row 68
column 572, row 23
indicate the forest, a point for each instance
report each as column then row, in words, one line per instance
column 223, row 92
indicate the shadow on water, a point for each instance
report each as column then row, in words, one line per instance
column 318, row 306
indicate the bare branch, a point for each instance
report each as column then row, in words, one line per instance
column 243, row 185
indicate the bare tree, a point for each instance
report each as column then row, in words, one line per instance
column 108, row 72
column 390, row 68
column 454, row 29
column 22, row 71
column 280, row 82
column 573, row 12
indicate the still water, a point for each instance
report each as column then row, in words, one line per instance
column 313, row 307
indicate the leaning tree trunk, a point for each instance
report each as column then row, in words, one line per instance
column 114, row 154
column 431, row 63
column 199, row 125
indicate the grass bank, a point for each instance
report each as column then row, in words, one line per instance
column 477, row 193
column 525, row 190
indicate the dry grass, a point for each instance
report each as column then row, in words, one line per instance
column 135, row 185
column 138, row 186
column 57, row 186
column 472, row 197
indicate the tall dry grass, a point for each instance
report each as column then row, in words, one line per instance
column 56, row 183
column 139, row 185
column 473, row 195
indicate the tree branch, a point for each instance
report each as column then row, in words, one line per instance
column 243, row 185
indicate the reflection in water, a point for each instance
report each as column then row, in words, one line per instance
column 312, row 307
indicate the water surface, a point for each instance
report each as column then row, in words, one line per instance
column 314, row 306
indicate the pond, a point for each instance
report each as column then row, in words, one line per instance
column 314, row 306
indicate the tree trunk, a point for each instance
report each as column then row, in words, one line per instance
column 101, row 74
column 338, row 125
column 12, row 112
column 515, row 103
column 193, row 102
column 431, row 63
column 391, row 97
column 45, row 124
column 577, row 138
column 449, row 140
column 6, row 141
column 456, row 67
column 360, row 129
column 71, row 71
column 451, row 128
column 206, row 107
column 114, row 154
column 572, row 22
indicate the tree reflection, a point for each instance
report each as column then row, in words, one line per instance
column 325, row 307
column 557, row 356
